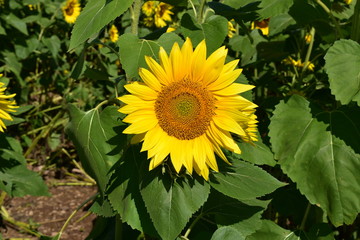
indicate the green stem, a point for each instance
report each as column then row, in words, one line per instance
column 135, row 16
column 193, row 7
column 308, row 53
column 302, row 226
column 336, row 23
column 118, row 228
column 73, row 214
column 201, row 11
column 192, row 226
column 355, row 31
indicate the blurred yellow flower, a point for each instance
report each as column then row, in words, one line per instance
column 170, row 29
column 31, row 7
column 298, row 63
column 157, row 13
column 231, row 29
column 113, row 33
column 308, row 38
column 263, row 25
column 6, row 106
column 347, row 1
column 71, row 10
column 148, row 8
column 187, row 107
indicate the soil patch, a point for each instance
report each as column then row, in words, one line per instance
column 50, row 213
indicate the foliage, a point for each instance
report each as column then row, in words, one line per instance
column 299, row 181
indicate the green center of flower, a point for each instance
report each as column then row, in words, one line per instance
column 184, row 109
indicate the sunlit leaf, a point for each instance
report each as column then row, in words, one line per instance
column 213, row 30
column 343, row 67
column 171, row 202
column 323, row 166
column 227, row 233
column 98, row 140
column 271, row 8
column 95, row 15
column 244, row 181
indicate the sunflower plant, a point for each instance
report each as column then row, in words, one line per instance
column 196, row 119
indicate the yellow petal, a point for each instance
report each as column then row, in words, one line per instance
column 176, row 155
column 177, row 62
column 234, row 89
column 225, row 80
column 141, row 90
column 150, row 79
column 214, row 65
column 225, row 139
column 165, row 63
column 158, row 71
column 198, row 62
column 141, row 115
column 187, row 52
column 228, row 124
column 143, row 125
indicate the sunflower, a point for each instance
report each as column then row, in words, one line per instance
column 187, row 107
column 114, row 33
column 263, row 25
column 231, row 29
column 71, row 10
column 6, row 106
column 157, row 13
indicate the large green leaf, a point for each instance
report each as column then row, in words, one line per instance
column 244, row 216
column 171, row 202
column 244, row 181
column 227, row 233
column 95, row 15
column 257, row 153
column 98, row 140
column 271, row 8
column 213, row 30
column 15, row 178
column 309, row 151
column 124, row 194
column 133, row 50
column 343, row 67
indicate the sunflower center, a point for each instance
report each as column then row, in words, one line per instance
column 70, row 9
column 184, row 109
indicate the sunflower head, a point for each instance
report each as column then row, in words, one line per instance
column 187, row 108
column 231, row 29
column 157, row 13
column 113, row 33
column 71, row 10
column 6, row 106
column 263, row 25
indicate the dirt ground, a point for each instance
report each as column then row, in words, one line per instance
column 50, row 213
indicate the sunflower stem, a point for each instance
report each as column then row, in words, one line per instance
column 192, row 226
column 118, row 228
column 201, row 11
column 306, row 214
column 135, row 16
column 355, row 31
column 308, row 53
column 338, row 33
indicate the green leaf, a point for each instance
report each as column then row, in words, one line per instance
column 272, row 8
column 95, row 15
column 15, row 178
column 323, row 165
column 269, row 231
column 102, row 207
column 244, row 181
column 53, row 44
column 213, row 30
column 343, row 66
column 227, row 233
column 17, row 23
column 244, row 216
column 133, row 51
column 257, row 153
column 123, row 191
column 279, row 23
column 171, row 202
column 98, row 140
